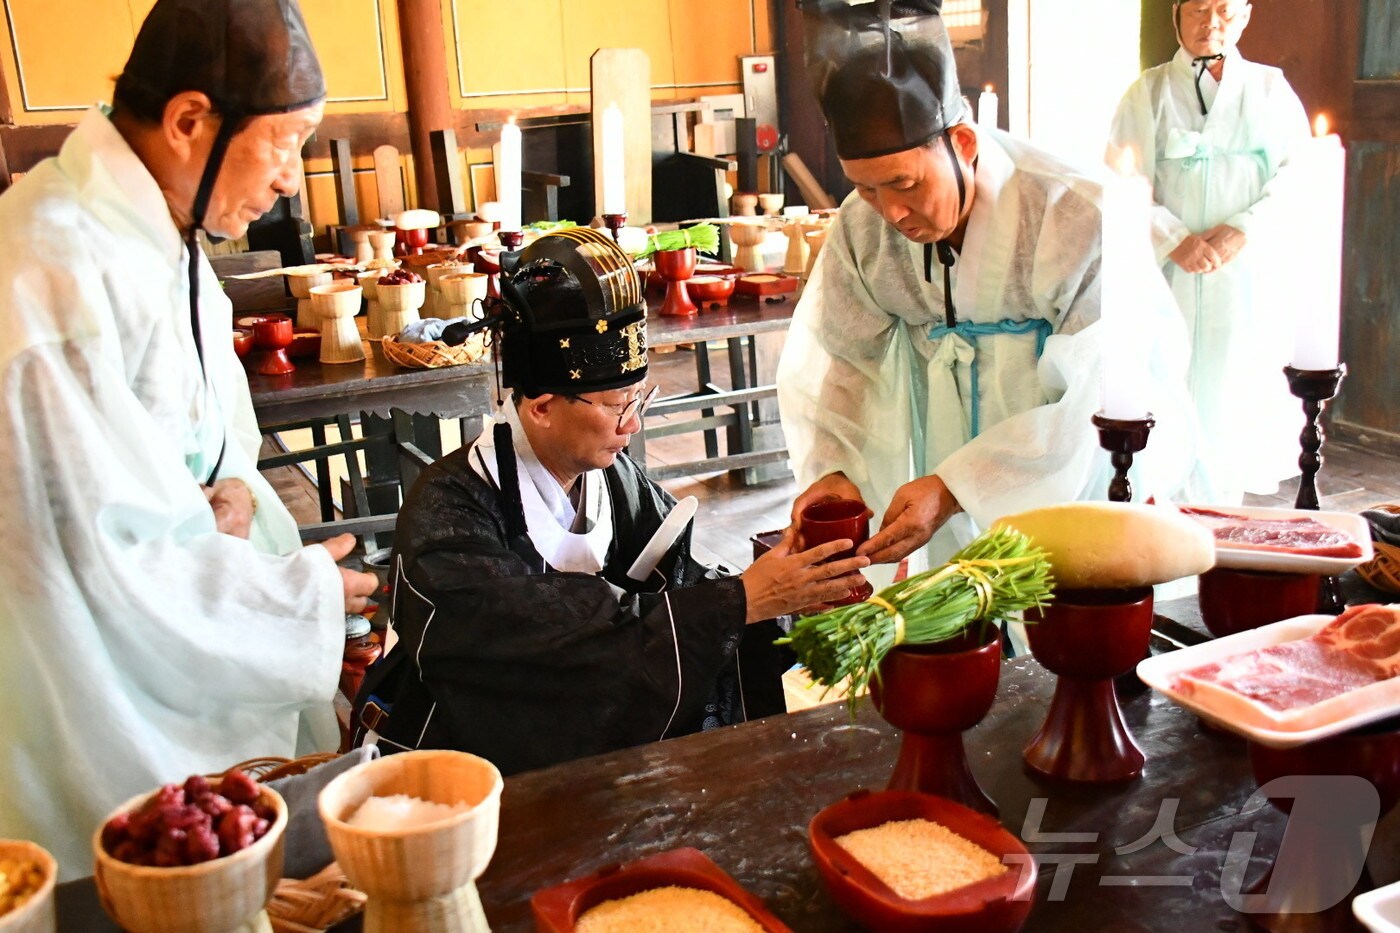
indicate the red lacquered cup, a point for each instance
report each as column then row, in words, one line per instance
column 273, row 334
column 833, row 520
column 1238, row 600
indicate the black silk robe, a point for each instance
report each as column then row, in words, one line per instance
column 503, row 657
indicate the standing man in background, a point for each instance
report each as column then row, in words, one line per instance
column 1213, row 132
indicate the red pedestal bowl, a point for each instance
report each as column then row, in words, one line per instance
column 933, row 693
column 1088, row 637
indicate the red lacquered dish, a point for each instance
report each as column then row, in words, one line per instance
column 996, row 905
column 242, row 341
column 765, row 285
column 558, row 909
column 710, row 290
column 305, row 342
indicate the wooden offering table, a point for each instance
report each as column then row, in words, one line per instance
column 1144, row 855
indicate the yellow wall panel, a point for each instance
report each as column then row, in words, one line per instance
column 62, row 68
column 710, row 39
column 762, row 27
column 590, row 25
column 504, row 47
column 350, row 41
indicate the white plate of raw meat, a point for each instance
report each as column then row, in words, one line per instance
column 1291, row 682
column 1285, row 540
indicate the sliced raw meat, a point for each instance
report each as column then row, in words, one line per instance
column 1361, row 647
column 1289, row 535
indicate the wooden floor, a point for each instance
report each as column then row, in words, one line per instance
column 1353, row 478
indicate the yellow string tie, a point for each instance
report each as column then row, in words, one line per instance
column 898, row 618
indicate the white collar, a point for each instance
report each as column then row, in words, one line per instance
column 994, row 169
column 96, row 153
column 549, row 515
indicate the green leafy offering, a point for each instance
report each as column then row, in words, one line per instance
column 704, row 237
column 999, row 573
column 547, row 226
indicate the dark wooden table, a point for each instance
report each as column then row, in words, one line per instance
column 745, row 794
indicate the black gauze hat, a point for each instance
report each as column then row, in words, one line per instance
column 250, row 57
column 575, row 320
column 882, row 72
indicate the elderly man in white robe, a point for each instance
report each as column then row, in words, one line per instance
column 159, row 614
column 943, row 364
column 1214, row 131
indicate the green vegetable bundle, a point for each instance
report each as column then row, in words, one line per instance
column 998, row 574
column 548, row 226
column 704, row 237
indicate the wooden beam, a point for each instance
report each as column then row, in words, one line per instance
column 7, row 112
column 1375, row 112
column 447, row 167
column 425, row 77
column 4, row 168
column 344, row 182
column 27, row 146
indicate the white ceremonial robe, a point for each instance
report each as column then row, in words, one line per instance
column 865, row 391
column 1230, row 166
column 140, row 645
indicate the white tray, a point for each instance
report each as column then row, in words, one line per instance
column 1379, row 910
column 1239, row 558
column 1253, row 720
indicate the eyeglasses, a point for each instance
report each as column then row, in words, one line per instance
column 636, row 407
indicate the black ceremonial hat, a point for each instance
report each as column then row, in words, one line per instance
column 250, row 57
column 575, row 320
column 882, row 72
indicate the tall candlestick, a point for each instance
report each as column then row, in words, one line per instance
column 1322, row 172
column 508, row 178
column 987, row 108
column 1127, row 202
column 614, row 159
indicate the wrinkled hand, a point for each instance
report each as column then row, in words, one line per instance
column 785, row 580
column 1226, row 241
column 919, row 508
column 1195, row 255
column 232, row 502
column 831, row 486
column 355, row 586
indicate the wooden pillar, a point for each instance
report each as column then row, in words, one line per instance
column 425, row 76
column 4, row 166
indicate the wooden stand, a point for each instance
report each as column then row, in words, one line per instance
column 337, row 306
column 300, row 285
column 748, row 237
column 400, row 304
column 1315, row 387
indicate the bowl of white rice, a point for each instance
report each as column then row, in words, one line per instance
column 901, row 861
column 679, row 891
column 415, row 825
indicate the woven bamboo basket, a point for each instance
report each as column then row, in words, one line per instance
column 225, row 895
column 419, row 877
column 1383, row 570
column 434, row 354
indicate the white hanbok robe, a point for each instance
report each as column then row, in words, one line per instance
column 140, row 645
column 865, row 391
column 1230, row 166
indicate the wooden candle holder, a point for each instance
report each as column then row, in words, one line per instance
column 1315, row 387
column 1122, row 439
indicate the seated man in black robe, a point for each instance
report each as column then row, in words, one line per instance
column 522, row 636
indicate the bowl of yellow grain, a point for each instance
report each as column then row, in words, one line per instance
column 900, row 862
column 27, row 875
column 680, row 891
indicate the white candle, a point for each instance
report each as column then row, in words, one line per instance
column 508, row 179
column 1127, row 200
column 1321, row 169
column 987, row 108
column 614, row 159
